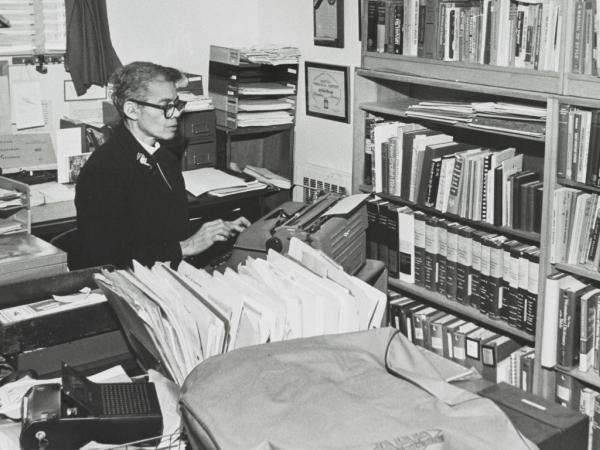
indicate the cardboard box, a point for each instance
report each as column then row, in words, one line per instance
column 547, row 424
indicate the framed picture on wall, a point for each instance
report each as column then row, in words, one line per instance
column 329, row 23
column 327, row 91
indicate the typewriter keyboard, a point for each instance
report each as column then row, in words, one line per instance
column 123, row 399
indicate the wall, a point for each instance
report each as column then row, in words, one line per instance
column 318, row 141
column 179, row 33
column 181, row 37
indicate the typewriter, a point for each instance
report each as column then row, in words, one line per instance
column 67, row 417
column 341, row 237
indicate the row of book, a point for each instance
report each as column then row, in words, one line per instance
column 492, row 273
column 585, row 28
column 572, row 319
column 496, row 357
column 579, row 142
column 575, row 228
column 499, row 32
column 429, row 168
column 505, row 117
column 572, row 393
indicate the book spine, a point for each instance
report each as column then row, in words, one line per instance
column 533, row 270
column 451, row 260
column 478, row 272
column 568, row 328
column 437, row 338
column 576, row 62
column 463, row 263
column 587, row 325
column 420, row 220
column 393, row 244
column 372, row 230
column 431, row 254
column 455, row 185
column 442, row 255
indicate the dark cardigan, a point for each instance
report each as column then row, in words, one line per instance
column 125, row 209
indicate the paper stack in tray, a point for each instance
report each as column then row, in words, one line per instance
column 192, row 315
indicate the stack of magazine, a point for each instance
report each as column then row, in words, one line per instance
column 189, row 315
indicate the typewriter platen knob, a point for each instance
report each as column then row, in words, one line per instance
column 275, row 244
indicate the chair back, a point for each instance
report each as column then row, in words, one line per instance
column 70, row 242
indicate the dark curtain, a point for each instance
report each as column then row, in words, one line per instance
column 90, row 58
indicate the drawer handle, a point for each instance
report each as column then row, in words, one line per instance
column 198, row 128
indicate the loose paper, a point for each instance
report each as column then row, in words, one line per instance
column 28, row 104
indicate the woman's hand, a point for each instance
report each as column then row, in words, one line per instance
column 211, row 232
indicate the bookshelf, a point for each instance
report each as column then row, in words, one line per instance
column 386, row 85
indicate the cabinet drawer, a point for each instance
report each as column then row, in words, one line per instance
column 199, row 154
column 198, row 125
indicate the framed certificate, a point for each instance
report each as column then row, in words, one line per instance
column 329, row 23
column 327, row 91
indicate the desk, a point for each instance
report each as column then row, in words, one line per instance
column 53, row 218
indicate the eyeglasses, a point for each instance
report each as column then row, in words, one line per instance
column 168, row 110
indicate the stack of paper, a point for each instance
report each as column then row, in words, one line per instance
column 196, row 102
column 256, row 119
column 275, row 104
column 216, row 182
column 271, row 55
column 263, row 88
column 192, row 315
column 264, row 175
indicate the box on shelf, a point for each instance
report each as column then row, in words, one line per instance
column 547, row 424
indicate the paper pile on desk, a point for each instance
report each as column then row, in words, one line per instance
column 217, row 183
column 192, row 315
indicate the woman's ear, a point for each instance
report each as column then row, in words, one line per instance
column 131, row 110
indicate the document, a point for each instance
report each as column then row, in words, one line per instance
column 68, row 144
column 346, row 205
column 28, row 104
column 206, row 179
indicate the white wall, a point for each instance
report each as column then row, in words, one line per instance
column 179, row 34
column 318, row 141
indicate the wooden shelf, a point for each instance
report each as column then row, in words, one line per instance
column 578, row 270
column 495, row 80
column 577, row 185
column 584, row 86
column 589, row 377
column 519, row 234
column 459, row 308
column 398, row 109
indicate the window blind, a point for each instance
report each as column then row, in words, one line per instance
column 37, row 26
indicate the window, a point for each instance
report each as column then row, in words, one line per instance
column 36, row 26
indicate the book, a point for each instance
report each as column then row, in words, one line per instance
column 406, row 245
column 447, row 332
column 531, row 294
column 550, row 321
column 420, row 220
column 492, row 290
column 420, row 325
column 430, row 263
column 493, row 353
column 442, row 230
column 451, row 259
column 494, row 159
column 587, row 317
column 568, row 391
column 567, row 348
column 395, row 307
column 459, row 342
column 458, row 179
column 392, row 233
column 505, row 298
column 527, row 365
column 463, row 262
column 473, row 344
column 436, row 332
column 478, row 274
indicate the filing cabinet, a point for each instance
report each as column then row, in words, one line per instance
column 198, row 130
